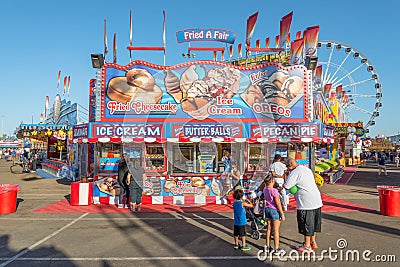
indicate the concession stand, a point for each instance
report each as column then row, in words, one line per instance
column 180, row 120
column 187, row 123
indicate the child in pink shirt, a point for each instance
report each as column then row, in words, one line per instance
column 273, row 213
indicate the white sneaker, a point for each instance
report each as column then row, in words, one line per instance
column 278, row 251
column 121, row 206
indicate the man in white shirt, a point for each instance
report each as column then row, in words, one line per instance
column 308, row 203
column 277, row 170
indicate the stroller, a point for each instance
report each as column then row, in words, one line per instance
column 256, row 216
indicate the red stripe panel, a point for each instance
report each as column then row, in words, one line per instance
column 210, row 200
column 168, row 200
column 189, row 200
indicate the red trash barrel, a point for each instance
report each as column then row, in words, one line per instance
column 8, row 198
column 389, row 200
column 81, row 194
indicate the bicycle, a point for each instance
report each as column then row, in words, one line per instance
column 20, row 167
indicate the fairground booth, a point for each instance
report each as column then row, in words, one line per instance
column 48, row 139
column 182, row 122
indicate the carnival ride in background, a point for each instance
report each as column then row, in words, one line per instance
column 347, row 69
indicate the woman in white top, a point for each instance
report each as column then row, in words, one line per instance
column 278, row 170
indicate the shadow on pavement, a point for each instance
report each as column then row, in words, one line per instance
column 31, row 179
column 7, row 254
column 64, row 181
column 362, row 224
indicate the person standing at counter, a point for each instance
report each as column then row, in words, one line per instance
column 236, row 176
column 228, row 161
column 122, row 179
column 135, row 180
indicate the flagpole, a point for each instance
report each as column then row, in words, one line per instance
column 105, row 41
column 164, row 35
column 130, row 34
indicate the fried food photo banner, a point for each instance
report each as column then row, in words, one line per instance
column 204, row 90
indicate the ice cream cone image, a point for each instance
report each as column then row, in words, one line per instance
column 188, row 77
column 172, row 86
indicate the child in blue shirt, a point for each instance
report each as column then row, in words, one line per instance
column 239, row 219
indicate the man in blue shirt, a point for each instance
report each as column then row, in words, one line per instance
column 381, row 165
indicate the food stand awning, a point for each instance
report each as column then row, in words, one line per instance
column 189, row 139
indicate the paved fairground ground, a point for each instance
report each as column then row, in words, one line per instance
column 46, row 231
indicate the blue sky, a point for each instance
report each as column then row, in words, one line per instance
column 39, row 38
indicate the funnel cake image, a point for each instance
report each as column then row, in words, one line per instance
column 280, row 88
column 137, row 85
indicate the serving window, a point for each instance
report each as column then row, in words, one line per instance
column 155, row 157
column 203, row 157
column 257, row 156
column 109, row 156
column 183, row 157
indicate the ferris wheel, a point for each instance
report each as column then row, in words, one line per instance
column 346, row 66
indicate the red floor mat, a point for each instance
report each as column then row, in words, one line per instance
column 331, row 204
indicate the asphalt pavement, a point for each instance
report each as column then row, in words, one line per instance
column 29, row 238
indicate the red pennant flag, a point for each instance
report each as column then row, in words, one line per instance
column 230, row 51
column 251, row 24
column 257, row 43
column 46, row 105
column 285, row 24
column 310, row 37
column 222, row 55
column 288, row 38
column 327, row 88
column 296, row 49
column 58, row 78
column 298, row 35
column 277, row 38
column 267, row 42
column 318, row 75
column 240, row 50
column 339, row 91
column 215, row 55
column 65, row 84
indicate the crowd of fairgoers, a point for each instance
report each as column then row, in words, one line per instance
column 21, row 154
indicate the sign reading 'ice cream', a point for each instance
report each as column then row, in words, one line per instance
column 126, row 130
column 217, row 35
